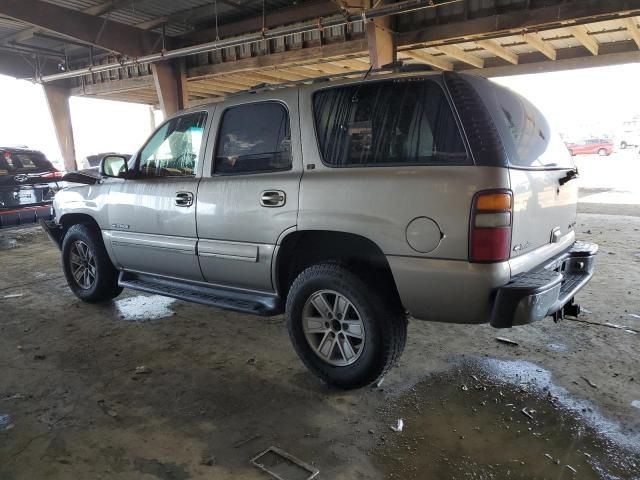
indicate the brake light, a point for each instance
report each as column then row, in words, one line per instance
column 52, row 175
column 490, row 227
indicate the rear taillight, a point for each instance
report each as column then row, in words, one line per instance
column 490, row 227
column 52, row 175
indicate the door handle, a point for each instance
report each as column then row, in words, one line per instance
column 184, row 199
column 273, row 198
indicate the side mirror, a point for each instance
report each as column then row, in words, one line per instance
column 115, row 166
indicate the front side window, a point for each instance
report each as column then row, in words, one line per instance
column 387, row 123
column 253, row 138
column 174, row 150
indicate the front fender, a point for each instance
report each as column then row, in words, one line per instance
column 89, row 200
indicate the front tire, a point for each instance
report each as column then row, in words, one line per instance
column 602, row 152
column 345, row 331
column 87, row 267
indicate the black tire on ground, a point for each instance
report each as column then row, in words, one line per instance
column 102, row 285
column 602, row 152
column 623, row 145
column 384, row 322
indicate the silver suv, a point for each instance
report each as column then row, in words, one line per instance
column 349, row 206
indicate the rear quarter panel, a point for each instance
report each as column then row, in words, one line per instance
column 378, row 203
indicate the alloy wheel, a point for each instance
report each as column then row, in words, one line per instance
column 333, row 328
column 83, row 264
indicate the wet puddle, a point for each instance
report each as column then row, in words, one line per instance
column 494, row 419
column 143, row 308
column 5, row 422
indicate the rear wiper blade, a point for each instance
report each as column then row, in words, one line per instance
column 571, row 174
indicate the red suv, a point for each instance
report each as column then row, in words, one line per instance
column 601, row 146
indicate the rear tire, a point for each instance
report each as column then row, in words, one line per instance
column 87, row 267
column 355, row 336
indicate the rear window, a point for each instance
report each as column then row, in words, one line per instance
column 535, row 144
column 405, row 121
column 24, row 161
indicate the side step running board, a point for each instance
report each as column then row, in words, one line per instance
column 238, row 301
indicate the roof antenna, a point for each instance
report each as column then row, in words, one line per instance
column 354, row 98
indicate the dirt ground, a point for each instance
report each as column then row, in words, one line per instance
column 217, row 388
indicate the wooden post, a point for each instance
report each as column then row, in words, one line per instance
column 58, row 101
column 382, row 48
column 170, row 79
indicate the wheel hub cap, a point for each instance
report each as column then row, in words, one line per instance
column 333, row 328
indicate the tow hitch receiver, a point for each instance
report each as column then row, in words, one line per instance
column 569, row 310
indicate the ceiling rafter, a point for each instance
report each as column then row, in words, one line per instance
column 581, row 34
column 493, row 46
column 634, row 31
column 462, row 55
column 84, row 26
column 537, row 42
column 429, row 59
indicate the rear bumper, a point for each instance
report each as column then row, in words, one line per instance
column 25, row 215
column 18, row 196
column 547, row 290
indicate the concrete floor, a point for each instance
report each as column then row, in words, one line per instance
column 220, row 387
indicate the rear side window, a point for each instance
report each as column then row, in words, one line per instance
column 535, row 144
column 253, row 138
column 24, row 161
column 387, row 123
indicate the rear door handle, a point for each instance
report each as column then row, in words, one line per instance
column 273, row 198
column 184, row 199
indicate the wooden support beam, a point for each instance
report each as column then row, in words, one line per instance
column 24, row 66
column 110, row 86
column 582, row 35
column 58, row 102
column 537, row 42
column 460, row 54
column 520, row 21
column 612, row 53
column 632, row 28
column 304, row 11
column 326, row 68
column 281, row 60
column 171, row 86
column 352, row 63
column 498, row 50
column 84, row 27
column 429, row 59
column 304, row 71
column 257, row 77
column 380, row 40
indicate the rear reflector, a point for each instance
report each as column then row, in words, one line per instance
column 52, row 175
column 490, row 226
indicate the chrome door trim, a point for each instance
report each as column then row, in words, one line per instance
column 245, row 252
